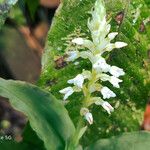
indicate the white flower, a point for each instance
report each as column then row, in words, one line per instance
column 101, row 71
column 107, row 107
column 110, row 47
column 107, row 93
column 89, row 118
column 120, row 44
column 112, row 35
column 88, row 44
column 77, row 81
column 103, row 77
column 72, row 55
column 86, row 54
column 101, row 65
column 115, row 81
column 67, row 91
column 116, row 71
column 78, row 41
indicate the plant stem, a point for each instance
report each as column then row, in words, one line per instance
column 75, row 140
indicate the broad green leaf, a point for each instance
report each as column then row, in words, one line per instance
column 11, row 145
column 47, row 116
column 72, row 15
column 127, row 141
column 5, row 6
column 30, row 137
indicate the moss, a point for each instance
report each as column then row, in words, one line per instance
column 134, row 90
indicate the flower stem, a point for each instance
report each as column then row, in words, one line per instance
column 74, row 142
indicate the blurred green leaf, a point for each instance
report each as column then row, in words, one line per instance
column 127, row 141
column 32, row 6
column 30, row 137
column 47, row 116
column 11, row 145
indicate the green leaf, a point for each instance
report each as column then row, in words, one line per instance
column 11, row 145
column 47, row 116
column 32, row 6
column 127, row 141
column 30, row 137
column 134, row 92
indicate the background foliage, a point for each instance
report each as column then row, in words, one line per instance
column 134, row 93
column 48, row 117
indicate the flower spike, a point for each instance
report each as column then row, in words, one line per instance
column 93, row 50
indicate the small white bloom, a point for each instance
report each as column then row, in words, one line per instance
column 107, row 93
column 101, row 65
column 110, row 47
column 120, row 44
column 107, row 107
column 78, row 41
column 103, row 77
column 77, row 81
column 86, row 54
column 67, row 91
column 112, row 35
column 72, row 55
column 89, row 118
column 89, row 44
column 115, row 81
column 116, row 71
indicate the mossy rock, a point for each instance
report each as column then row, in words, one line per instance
column 72, row 15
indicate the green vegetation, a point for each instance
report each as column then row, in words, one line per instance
column 47, row 114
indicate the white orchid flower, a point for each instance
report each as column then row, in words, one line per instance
column 78, row 41
column 112, row 35
column 93, row 50
column 115, row 81
column 72, row 55
column 116, row 71
column 120, row 44
column 67, row 91
column 107, row 107
column 88, row 116
column 111, row 46
column 77, row 81
column 107, row 93
column 101, row 65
